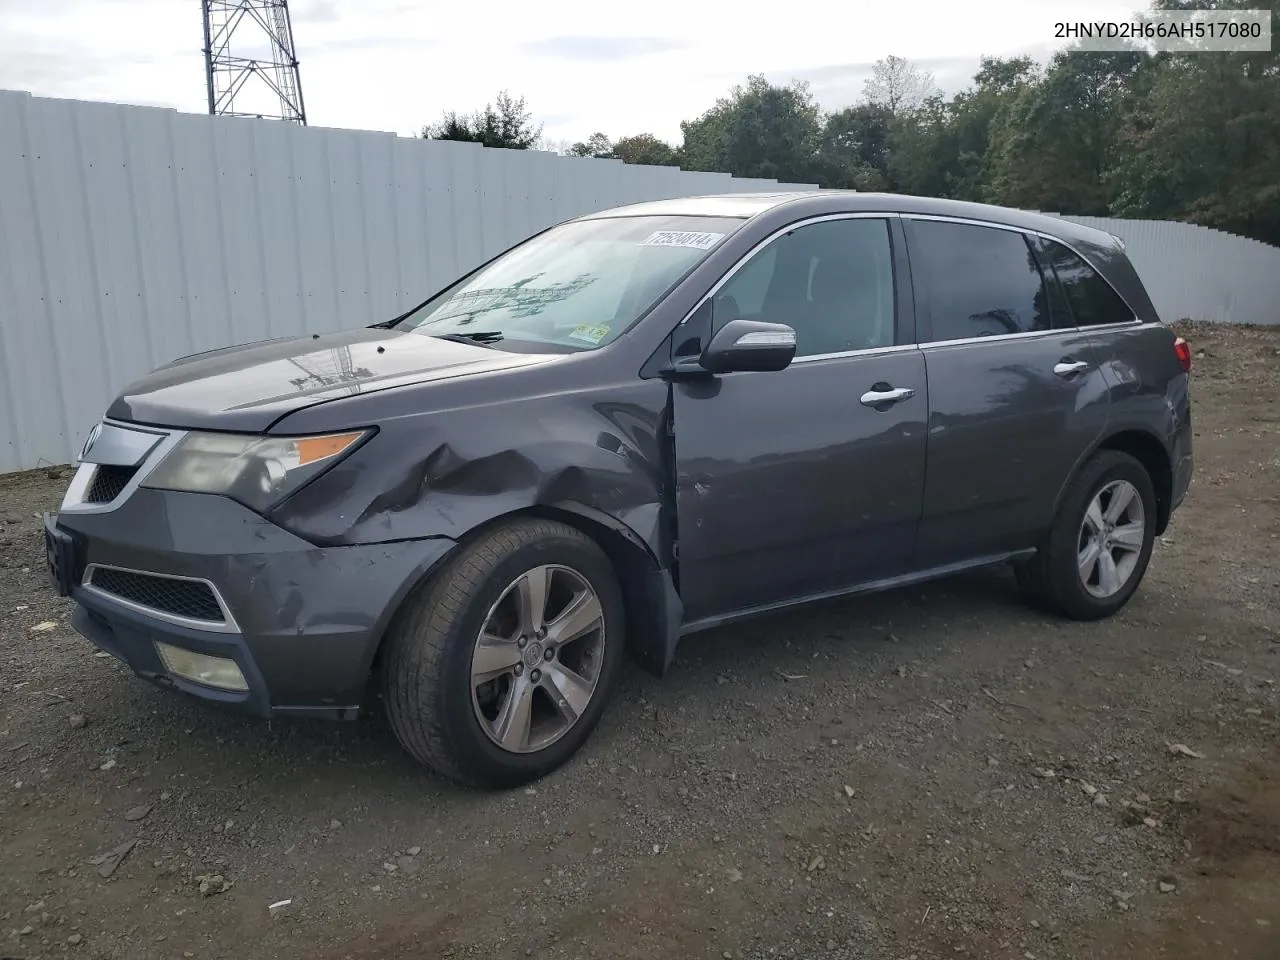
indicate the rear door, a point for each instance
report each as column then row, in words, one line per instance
column 807, row 480
column 1016, row 395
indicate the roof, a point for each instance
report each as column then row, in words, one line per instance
column 820, row 202
column 741, row 205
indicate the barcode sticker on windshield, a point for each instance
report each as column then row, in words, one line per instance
column 682, row 238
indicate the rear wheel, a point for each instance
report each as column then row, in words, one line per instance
column 498, row 671
column 1100, row 543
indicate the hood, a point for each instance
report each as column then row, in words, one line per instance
column 248, row 388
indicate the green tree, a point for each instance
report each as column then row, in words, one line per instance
column 922, row 150
column 997, row 86
column 855, row 147
column 1204, row 145
column 645, row 148
column 937, row 147
column 597, row 145
column 507, row 123
column 1052, row 147
column 642, row 148
column 759, row 130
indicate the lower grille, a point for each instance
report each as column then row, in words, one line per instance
column 108, row 483
column 191, row 599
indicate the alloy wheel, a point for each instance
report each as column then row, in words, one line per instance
column 537, row 661
column 1111, row 539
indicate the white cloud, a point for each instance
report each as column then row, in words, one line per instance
column 582, row 66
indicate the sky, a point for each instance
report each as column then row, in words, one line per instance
column 618, row 68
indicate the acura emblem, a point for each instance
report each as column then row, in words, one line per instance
column 90, row 440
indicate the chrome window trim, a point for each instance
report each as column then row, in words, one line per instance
column 1122, row 325
column 73, row 502
column 864, row 352
column 789, row 228
column 1029, row 334
column 967, row 221
column 212, row 626
column 1002, row 337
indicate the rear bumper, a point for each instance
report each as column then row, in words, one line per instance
column 1181, row 451
column 1182, row 479
column 301, row 622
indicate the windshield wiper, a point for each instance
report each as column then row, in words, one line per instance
column 482, row 337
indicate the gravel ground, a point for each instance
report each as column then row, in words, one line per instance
column 934, row 772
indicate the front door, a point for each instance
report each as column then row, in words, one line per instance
column 807, row 480
column 1016, row 395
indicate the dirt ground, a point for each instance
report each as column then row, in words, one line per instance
column 934, row 772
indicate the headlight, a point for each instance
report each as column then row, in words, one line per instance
column 258, row 471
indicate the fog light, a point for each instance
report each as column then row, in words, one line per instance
column 217, row 672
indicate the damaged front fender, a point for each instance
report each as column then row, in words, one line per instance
column 450, row 472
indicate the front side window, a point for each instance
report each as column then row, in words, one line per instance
column 831, row 281
column 981, row 281
column 1093, row 301
column 576, row 287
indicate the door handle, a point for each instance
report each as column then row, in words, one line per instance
column 874, row 398
column 1068, row 368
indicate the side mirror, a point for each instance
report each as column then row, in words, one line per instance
column 742, row 345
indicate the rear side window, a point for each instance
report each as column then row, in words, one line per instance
column 1092, row 299
column 981, row 281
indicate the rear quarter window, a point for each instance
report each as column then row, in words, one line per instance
column 1092, row 299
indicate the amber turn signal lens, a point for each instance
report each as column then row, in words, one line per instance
column 311, row 449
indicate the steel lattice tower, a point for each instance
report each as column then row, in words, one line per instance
column 250, row 64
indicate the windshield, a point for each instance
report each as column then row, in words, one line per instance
column 577, row 286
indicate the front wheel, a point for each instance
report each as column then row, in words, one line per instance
column 1098, row 548
column 498, row 671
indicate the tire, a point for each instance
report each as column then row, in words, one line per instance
column 442, row 719
column 1053, row 580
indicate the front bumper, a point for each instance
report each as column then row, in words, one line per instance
column 301, row 622
column 131, row 638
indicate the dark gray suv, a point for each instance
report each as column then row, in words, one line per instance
column 628, row 428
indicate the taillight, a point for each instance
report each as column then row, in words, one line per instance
column 1183, row 351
